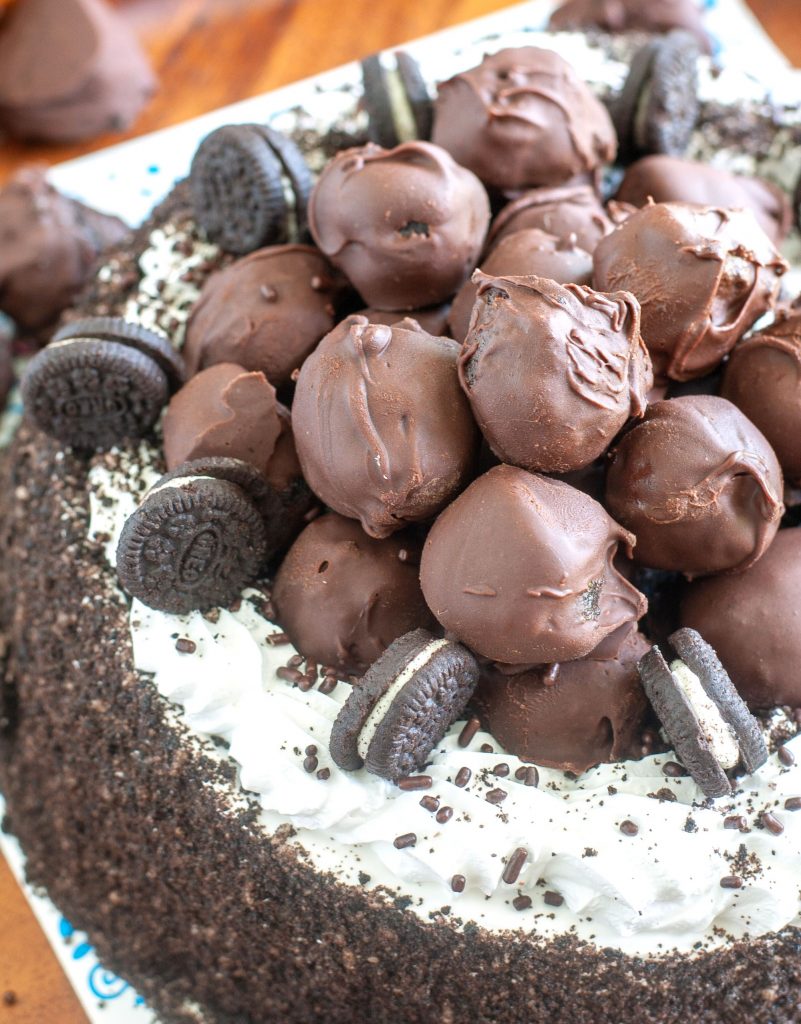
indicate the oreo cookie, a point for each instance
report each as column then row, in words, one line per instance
column 706, row 720
column 396, row 99
column 250, row 187
column 404, row 705
column 657, row 109
column 195, row 541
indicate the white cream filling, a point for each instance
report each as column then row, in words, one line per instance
column 177, row 481
column 718, row 733
column 400, row 106
column 386, row 700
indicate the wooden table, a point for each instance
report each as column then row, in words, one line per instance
column 209, row 53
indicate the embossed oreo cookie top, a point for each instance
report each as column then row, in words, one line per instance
column 553, row 372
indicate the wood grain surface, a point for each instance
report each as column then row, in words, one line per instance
column 209, row 53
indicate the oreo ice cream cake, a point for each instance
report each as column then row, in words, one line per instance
column 356, row 666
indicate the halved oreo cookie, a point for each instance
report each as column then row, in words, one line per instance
column 404, row 705
column 194, row 542
column 706, row 720
column 658, row 106
column 250, row 186
column 94, row 394
column 124, row 332
column 396, row 99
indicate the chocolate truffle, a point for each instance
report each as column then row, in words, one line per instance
column 433, row 320
column 343, row 597
column 521, row 118
column 49, row 247
column 224, row 410
column 753, row 620
column 521, row 569
column 265, row 312
column 703, row 276
column 632, row 16
column 69, row 70
column 572, row 715
column 572, row 212
column 383, row 431
column 553, row 372
column 526, row 252
column 763, row 379
column 698, row 485
column 669, row 179
column 406, row 225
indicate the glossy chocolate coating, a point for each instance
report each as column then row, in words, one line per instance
column 553, row 372
column 632, row 15
column 383, row 430
column 433, row 320
column 265, row 312
column 763, row 379
column 523, row 117
column 49, row 247
column 698, row 486
column 702, row 275
column 571, row 715
column 406, row 225
column 520, row 569
column 668, row 179
column 753, row 620
column 343, row 597
column 70, row 69
column 571, row 212
column 525, row 252
column 224, row 410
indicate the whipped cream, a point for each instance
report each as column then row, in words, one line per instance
column 644, row 894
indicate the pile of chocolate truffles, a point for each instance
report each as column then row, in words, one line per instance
column 516, row 486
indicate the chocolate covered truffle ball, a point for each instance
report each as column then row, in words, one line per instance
column 703, row 276
column 526, row 252
column 763, row 379
column 572, row 715
column 632, row 15
column 224, row 410
column 433, row 320
column 383, row 430
column 265, row 312
column 49, row 247
column 405, row 225
column 523, row 117
column 520, row 568
column 698, row 486
column 553, row 372
column 343, row 597
column 753, row 620
column 571, row 212
column 669, row 179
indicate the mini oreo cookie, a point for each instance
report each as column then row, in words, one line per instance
column 704, row 717
column 193, row 543
column 250, row 186
column 124, row 332
column 658, row 106
column 396, row 99
column 404, row 705
column 93, row 394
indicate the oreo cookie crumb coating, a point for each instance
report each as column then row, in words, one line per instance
column 403, row 706
column 571, row 715
column 698, row 486
column 758, row 635
column 250, row 186
column 265, row 312
column 522, row 118
column 702, row 275
column 552, row 372
column 193, row 543
column 343, row 597
column 405, row 225
column 520, row 568
column 383, row 431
